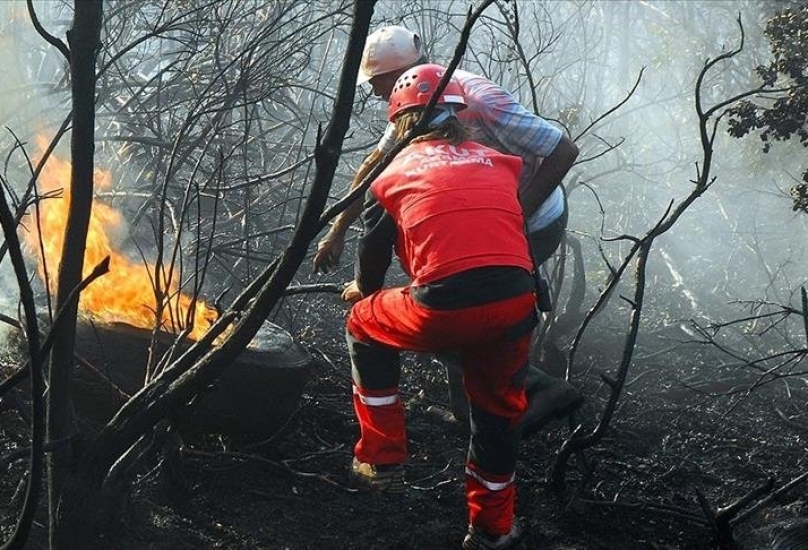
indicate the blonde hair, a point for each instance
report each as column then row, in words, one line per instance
column 452, row 130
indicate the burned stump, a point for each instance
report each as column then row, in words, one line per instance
column 252, row 399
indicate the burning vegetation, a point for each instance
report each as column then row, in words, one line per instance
column 132, row 292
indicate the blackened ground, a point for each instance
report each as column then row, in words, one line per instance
column 666, row 443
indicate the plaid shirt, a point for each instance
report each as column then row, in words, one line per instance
column 499, row 121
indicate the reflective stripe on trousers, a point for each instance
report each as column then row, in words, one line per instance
column 383, row 439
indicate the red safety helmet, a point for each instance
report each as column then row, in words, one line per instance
column 415, row 87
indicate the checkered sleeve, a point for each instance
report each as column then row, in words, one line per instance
column 504, row 124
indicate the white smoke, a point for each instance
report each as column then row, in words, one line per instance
column 26, row 109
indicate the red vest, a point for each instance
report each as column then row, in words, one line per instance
column 456, row 208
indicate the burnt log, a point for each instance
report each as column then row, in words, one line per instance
column 252, row 399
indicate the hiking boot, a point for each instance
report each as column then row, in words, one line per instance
column 549, row 399
column 477, row 539
column 381, row 478
column 444, row 416
column 448, row 418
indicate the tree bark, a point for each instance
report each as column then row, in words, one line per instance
column 84, row 40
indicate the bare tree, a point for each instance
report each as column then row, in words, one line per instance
column 84, row 42
column 709, row 118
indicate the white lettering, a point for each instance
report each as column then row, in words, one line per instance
column 460, row 152
column 434, row 156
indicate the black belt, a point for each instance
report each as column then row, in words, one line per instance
column 474, row 287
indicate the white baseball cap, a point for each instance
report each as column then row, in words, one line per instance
column 388, row 49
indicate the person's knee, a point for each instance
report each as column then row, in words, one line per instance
column 373, row 365
column 495, row 441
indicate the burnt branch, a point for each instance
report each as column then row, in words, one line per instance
column 665, row 510
column 11, row 321
column 278, row 466
column 575, row 444
column 23, row 372
column 804, row 298
column 742, row 516
column 328, row 288
column 720, row 520
column 613, row 109
column 37, row 386
column 18, row 454
column 49, row 38
column 708, row 121
column 30, row 196
column 722, row 533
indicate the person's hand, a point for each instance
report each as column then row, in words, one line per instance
column 351, row 293
column 329, row 249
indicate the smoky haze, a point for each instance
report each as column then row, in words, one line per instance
column 575, row 62
column 740, row 241
column 29, row 107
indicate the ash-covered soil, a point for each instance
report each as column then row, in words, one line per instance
column 683, row 427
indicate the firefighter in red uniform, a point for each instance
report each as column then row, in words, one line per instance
column 448, row 206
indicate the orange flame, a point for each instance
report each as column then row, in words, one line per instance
column 126, row 293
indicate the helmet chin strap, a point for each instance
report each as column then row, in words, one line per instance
column 442, row 114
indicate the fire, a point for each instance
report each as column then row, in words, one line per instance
column 126, row 293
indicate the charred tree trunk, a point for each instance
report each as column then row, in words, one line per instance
column 83, row 39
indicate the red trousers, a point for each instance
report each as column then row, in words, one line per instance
column 493, row 341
